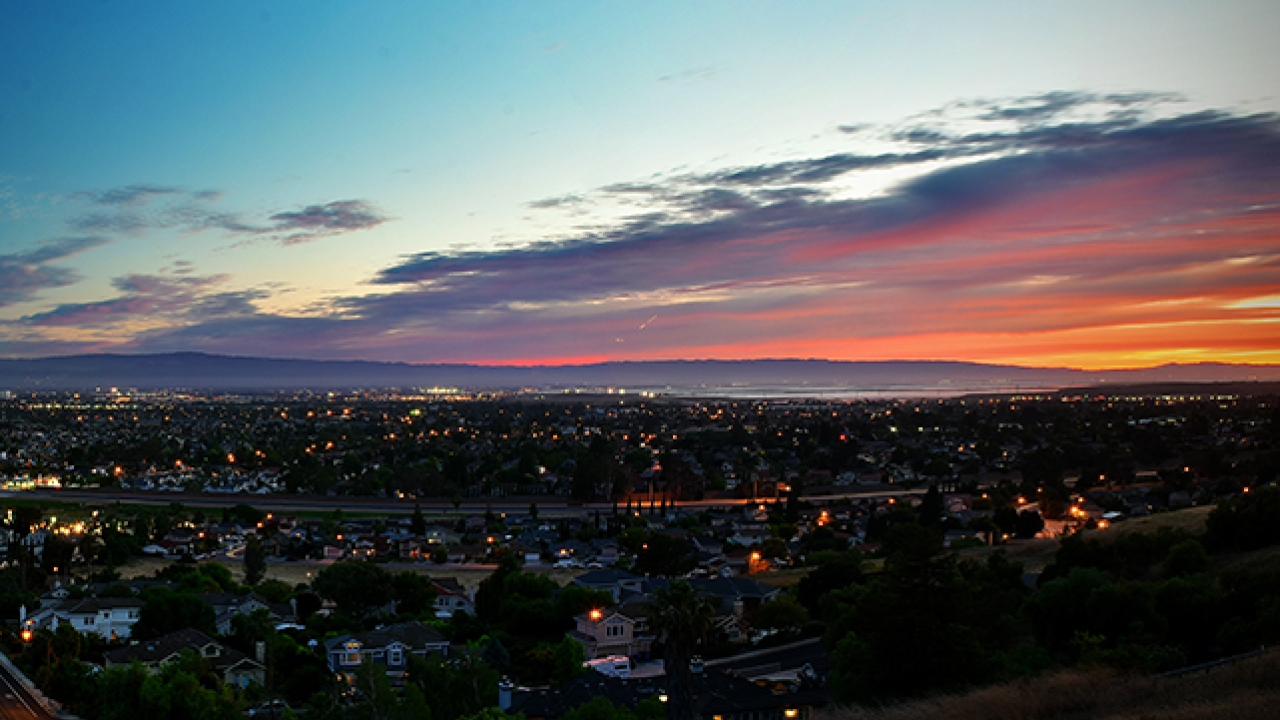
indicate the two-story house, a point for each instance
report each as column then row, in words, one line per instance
column 390, row 646
column 228, row 605
column 234, row 667
column 611, row 632
column 110, row 618
column 451, row 598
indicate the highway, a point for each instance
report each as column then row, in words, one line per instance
column 548, row 506
column 17, row 703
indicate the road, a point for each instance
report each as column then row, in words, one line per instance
column 548, row 506
column 17, row 703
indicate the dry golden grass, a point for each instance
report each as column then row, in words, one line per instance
column 1255, row 561
column 1247, row 690
column 1190, row 519
column 294, row 573
column 783, row 578
column 1036, row 555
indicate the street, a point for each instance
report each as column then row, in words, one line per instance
column 17, row 703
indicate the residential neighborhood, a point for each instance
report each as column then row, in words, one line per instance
column 790, row 535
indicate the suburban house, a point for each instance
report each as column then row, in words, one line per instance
column 437, row 535
column 234, row 667
column 606, row 633
column 227, row 605
column 390, row 646
column 615, row 582
column 110, row 618
column 736, row 595
column 452, row 598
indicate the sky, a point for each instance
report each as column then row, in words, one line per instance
column 1081, row 184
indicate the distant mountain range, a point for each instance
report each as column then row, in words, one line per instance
column 198, row 371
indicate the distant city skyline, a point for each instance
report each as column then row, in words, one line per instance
column 1089, row 185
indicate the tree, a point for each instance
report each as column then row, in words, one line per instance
column 492, row 590
column 89, row 546
column 683, row 619
column 25, row 517
column 663, row 554
column 1249, row 522
column 784, row 615
column 823, row 538
column 414, row 593
column 255, row 561
column 57, row 553
column 774, row 548
column 188, row 688
column 118, row 693
column 357, row 588
column 1029, row 524
column 913, row 629
column 462, row 685
column 380, row 701
column 932, row 507
column 166, row 611
column 569, row 658
column 417, row 524
column 833, row 570
column 245, row 514
column 1185, row 558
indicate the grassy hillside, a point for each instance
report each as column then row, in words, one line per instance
column 1036, row 554
column 1247, row 690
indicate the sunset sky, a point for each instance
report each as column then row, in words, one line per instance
column 1083, row 184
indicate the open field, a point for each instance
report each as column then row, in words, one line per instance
column 302, row 572
column 1034, row 554
column 1037, row 554
column 1247, row 690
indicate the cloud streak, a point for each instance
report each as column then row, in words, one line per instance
column 316, row 221
column 25, row 274
column 136, row 209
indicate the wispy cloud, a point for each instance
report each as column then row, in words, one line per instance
column 24, row 274
column 130, row 195
column 149, row 301
column 135, row 209
column 316, row 221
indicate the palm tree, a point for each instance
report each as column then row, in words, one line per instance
column 89, row 544
column 683, row 619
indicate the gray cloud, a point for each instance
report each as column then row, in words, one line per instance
column 130, row 210
column 24, row 274
column 178, row 298
column 570, row 200
column 316, row 221
column 130, row 195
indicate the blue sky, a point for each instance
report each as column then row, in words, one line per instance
column 563, row 182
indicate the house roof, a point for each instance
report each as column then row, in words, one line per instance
column 450, row 586
column 609, row 613
column 413, row 633
column 91, row 606
column 607, row 576
column 733, row 587
column 158, row 649
column 226, row 600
